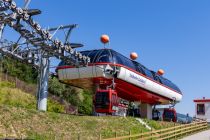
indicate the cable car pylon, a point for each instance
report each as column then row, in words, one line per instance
column 42, row 45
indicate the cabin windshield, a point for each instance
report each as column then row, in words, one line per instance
column 108, row 56
column 143, row 70
column 102, row 100
column 169, row 114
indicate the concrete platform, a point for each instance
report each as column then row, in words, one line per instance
column 205, row 135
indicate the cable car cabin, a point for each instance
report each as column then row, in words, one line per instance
column 169, row 114
column 106, row 101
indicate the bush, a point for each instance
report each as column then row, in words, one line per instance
column 55, row 87
column 54, row 106
column 20, row 70
column 82, row 99
column 7, row 84
column 86, row 106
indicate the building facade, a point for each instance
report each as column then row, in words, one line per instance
column 202, row 109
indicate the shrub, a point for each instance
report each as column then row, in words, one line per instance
column 7, row 84
column 54, row 106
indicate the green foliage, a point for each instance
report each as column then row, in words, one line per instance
column 86, row 106
column 55, row 107
column 56, row 87
column 17, row 69
column 15, row 97
column 82, row 99
column 75, row 96
column 7, row 84
column 158, row 124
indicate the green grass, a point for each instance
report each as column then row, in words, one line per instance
column 15, row 97
column 159, row 124
column 27, row 123
column 20, row 119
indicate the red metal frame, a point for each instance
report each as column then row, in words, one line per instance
column 202, row 100
column 131, row 92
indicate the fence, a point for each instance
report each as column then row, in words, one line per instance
column 167, row 133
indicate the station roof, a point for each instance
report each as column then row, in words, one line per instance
column 202, row 100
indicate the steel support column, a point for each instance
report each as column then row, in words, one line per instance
column 1, row 30
column 43, row 82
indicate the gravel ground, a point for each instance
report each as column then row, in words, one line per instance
column 205, row 135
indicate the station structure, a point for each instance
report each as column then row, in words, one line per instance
column 112, row 76
column 202, row 109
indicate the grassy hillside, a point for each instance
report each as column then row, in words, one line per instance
column 26, row 123
column 19, row 119
column 11, row 96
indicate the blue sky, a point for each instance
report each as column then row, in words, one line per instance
column 170, row 34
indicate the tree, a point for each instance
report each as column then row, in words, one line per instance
column 86, row 106
column 20, row 70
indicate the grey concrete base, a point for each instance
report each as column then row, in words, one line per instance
column 43, row 83
column 205, row 135
column 146, row 111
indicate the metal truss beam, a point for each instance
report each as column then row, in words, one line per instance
column 44, row 46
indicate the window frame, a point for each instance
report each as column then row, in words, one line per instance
column 200, row 113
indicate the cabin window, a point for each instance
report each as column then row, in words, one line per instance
column 91, row 54
column 148, row 73
column 120, row 59
column 200, row 109
column 140, row 70
column 102, row 100
column 104, row 56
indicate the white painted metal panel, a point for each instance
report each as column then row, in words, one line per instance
column 72, row 73
column 141, row 81
column 60, row 74
column 99, row 71
column 83, row 72
column 86, row 72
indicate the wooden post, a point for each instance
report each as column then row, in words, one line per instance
column 161, row 133
column 130, row 135
column 174, row 130
column 15, row 82
column 151, row 134
column 141, row 133
column 116, row 134
column 191, row 128
column 100, row 137
column 6, row 75
column 78, row 136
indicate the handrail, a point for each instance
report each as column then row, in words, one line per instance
column 166, row 132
